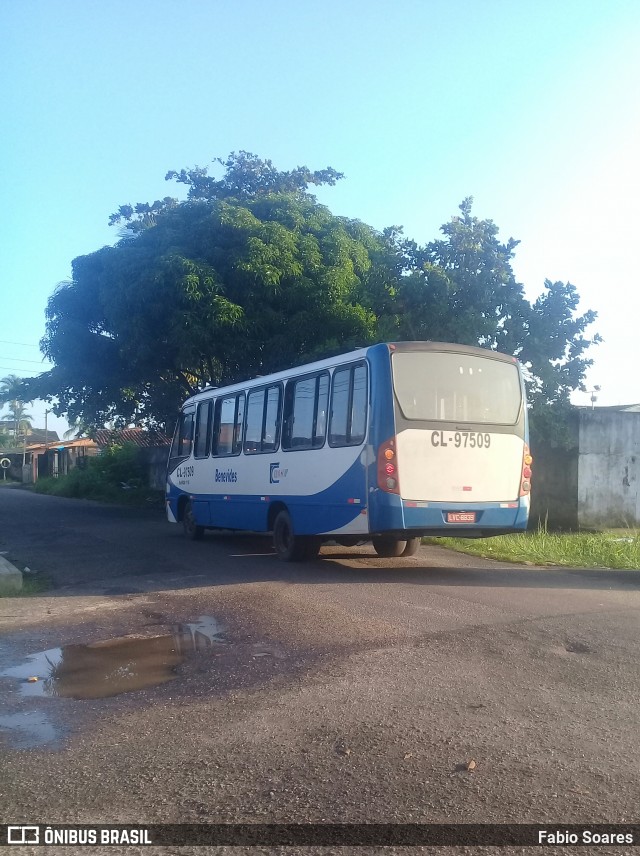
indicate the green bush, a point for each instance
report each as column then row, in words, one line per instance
column 118, row 465
column 115, row 475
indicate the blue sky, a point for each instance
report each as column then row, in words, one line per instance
column 529, row 107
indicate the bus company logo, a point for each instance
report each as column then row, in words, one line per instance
column 277, row 473
column 226, row 476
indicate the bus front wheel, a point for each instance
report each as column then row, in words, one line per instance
column 389, row 548
column 191, row 529
column 290, row 547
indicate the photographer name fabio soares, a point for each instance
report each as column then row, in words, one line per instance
column 585, row 836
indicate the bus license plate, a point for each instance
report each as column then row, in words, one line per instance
column 461, row 517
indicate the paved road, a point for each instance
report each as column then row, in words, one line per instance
column 349, row 689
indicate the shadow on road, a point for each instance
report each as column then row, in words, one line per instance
column 91, row 548
column 223, row 559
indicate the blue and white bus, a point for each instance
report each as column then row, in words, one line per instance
column 386, row 443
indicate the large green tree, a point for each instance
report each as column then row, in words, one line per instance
column 462, row 288
column 251, row 274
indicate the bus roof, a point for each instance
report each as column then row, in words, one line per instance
column 347, row 357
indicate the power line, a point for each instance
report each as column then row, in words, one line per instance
column 26, row 344
column 18, row 360
column 14, row 370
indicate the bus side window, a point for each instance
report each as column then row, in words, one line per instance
column 253, row 428
column 358, row 422
column 229, row 413
column 271, row 430
column 183, row 438
column 339, row 407
column 322, row 406
column 237, row 435
column 203, row 429
column 287, row 417
column 305, row 412
column 349, row 398
column 262, row 432
column 303, row 404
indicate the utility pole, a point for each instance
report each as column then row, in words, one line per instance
column 46, row 443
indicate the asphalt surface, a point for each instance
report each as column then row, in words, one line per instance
column 433, row 689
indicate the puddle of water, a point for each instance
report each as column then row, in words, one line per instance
column 103, row 669
column 30, row 729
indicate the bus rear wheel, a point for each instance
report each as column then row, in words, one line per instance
column 388, row 548
column 411, row 546
column 290, row 547
column 191, row 529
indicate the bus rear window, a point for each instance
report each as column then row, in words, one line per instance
column 450, row 387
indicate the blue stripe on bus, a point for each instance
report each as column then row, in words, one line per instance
column 330, row 509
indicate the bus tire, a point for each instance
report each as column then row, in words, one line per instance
column 388, row 548
column 354, row 541
column 411, row 546
column 191, row 529
column 290, row 547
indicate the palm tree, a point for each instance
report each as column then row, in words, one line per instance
column 77, row 429
column 20, row 418
column 10, row 389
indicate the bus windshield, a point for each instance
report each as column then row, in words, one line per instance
column 451, row 387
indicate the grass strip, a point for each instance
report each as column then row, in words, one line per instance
column 572, row 549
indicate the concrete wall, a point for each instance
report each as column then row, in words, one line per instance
column 554, row 486
column 609, row 469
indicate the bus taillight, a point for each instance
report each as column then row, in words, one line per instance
column 388, row 467
column 525, row 482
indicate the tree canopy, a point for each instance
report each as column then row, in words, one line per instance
column 251, row 274
column 462, row 288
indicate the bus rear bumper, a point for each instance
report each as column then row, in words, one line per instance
column 476, row 519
